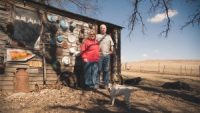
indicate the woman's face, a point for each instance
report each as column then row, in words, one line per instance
column 92, row 36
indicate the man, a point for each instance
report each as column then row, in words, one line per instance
column 106, row 48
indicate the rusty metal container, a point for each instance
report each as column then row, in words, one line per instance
column 59, row 51
column 22, row 80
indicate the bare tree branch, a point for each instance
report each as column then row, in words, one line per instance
column 155, row 5
column 166, row 31
column 194, row 19
column 135, row 17
column 83, row 6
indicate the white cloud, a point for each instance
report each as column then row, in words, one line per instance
column 145, row 55
column 160, row 17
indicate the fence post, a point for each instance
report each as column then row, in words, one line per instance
column 191, row 71
column 185, row 70
column 159, row 67
column 180, row 69
column 199, row 70
column 164, row 68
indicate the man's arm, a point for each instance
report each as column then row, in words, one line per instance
column 111, row 46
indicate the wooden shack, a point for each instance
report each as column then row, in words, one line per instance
column 48, row 39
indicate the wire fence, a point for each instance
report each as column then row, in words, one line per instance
column 164, row 68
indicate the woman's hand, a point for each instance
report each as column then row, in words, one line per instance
column 85, row 60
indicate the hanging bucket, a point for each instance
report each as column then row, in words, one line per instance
column 22, row 80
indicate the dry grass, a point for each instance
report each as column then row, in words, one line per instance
column 178, row 67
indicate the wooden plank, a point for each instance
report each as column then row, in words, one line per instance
column 13, row 63
column 16, row 63
column 3, row 8
column 33, row 71
column 49, row 67
column 4, row 22
column 10, row 69
column 3, row 37
column 51, row 82
column 3, row 34
column 27, row 7
column 51, row 75
column 6, row 78
column 52, row 78
column 35, row 75
column 31, row 87
column 8, row 91
column 3, row 3
column 35, row 78
column 4, row 17
column 2, row 42
column 2, row 12
column 68, row 67
column 30, row 67
column 51, row 72
column 8, row 87
column 38, row 82
column 8, row 74
column 6, row 83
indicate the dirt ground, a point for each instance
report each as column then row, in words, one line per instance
column 150, row 98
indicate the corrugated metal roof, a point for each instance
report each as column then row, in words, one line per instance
column 71, row 14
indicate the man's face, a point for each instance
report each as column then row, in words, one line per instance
column 103, row 29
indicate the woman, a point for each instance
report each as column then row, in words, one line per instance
column 90, row 56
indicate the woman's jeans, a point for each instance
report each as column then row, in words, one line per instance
column 91, row 74
column 104, row 66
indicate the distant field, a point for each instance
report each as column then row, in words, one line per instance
column 178, row 67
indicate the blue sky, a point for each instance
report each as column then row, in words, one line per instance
column 180, row 44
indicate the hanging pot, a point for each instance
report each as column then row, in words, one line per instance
column 72, row 50
column 52, row 17
column 66, row 60
column 60, row 39
column 64, row 25
column 65, row 45
column 71, row 38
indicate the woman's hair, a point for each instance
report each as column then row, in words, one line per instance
column 92, row 32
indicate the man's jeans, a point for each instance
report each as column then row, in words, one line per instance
column 104, row 66
column 90, row 74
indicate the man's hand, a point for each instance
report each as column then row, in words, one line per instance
column 111, row 52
